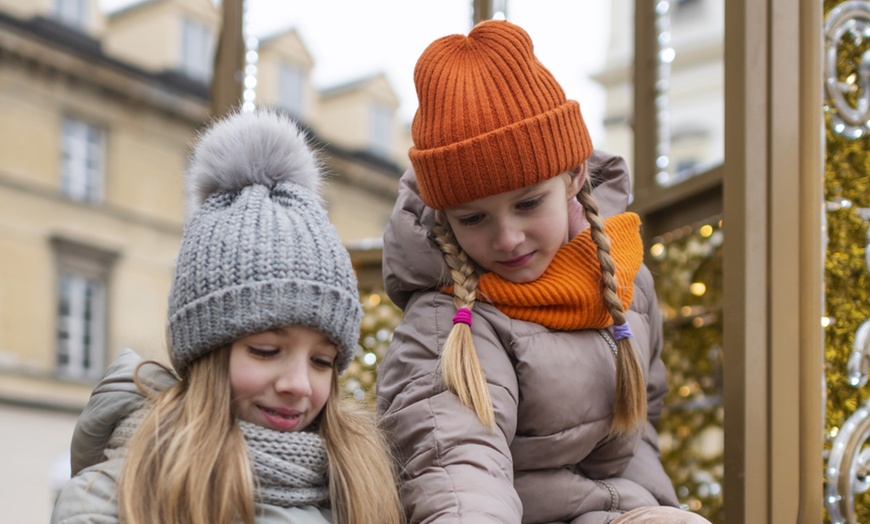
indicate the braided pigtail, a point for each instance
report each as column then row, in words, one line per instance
column 460, row 368
column 629, row 410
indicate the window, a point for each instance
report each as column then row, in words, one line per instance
column 290, row 85
column 381, row 129
column 72, row 12
column 82, row 282
column 196, row 55
column 82, row 159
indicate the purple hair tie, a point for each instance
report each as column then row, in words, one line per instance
column 463, row 315
column 621, row 331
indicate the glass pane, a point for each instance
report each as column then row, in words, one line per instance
column 82, row 160
column 290, row 88
column 691, row 89
column 81, row 322
column 381, row 132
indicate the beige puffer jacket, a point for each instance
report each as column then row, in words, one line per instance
column 549, row 459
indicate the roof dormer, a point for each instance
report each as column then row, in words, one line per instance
column 177, row 36
column 84, row 16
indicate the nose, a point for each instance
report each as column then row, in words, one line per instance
column 507, row 236
column 293, row 380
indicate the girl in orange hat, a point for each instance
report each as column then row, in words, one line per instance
column 525, row 380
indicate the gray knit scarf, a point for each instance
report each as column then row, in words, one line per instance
column 291, row 469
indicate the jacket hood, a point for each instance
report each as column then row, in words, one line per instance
column 412, row 261
column 114, row 398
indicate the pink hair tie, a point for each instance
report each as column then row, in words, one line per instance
column 462, row 315
column 621, row 331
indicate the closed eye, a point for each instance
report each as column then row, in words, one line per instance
column 324, row 363
column 471, row 220
column 261, row 352
column 529, row 205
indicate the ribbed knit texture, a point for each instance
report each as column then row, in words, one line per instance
column 260, row 252
column 291, row 468
column 568, row 295
column 491, row 118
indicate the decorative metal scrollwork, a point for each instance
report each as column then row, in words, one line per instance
column 852, row 18
column 848, row 469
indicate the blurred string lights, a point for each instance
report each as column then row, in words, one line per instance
column 665, row 56
column 687, row 264
column 380, row 318
column 252, row 45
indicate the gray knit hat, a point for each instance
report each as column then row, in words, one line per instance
column 258, row 251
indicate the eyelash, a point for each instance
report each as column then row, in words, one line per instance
column 524, row 206
column 266, row 353
column 262, row 353
column 528, row 205
column 323, row 362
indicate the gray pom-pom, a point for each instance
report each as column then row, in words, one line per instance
column 261, row 147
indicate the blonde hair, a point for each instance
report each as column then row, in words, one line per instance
column 188, row 460
column 363, row 485
column 629, row 410
column 460, row 367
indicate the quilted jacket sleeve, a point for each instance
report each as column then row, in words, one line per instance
column 454, row 468
column 115, row 397
column 89, row 497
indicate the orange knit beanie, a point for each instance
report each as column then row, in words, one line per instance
column 491, row 118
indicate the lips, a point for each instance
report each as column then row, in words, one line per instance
column 281, row 419
column 519, row 261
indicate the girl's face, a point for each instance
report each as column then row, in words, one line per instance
column 516, row 234
column 280, row 379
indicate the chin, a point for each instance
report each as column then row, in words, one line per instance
column 523, row 277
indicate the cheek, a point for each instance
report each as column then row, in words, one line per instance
column 555, row 228
column 321, row 386
column 244, row 380
column 473, row 243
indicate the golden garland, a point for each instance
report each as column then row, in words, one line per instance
column 847, row 282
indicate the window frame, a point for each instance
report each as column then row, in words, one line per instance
column 291, row 87
column 73, row 13
column 82, row 159
column 380, row 128
column 85, row 270
column 196, row 50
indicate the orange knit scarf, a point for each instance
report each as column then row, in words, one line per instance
column 568, row 295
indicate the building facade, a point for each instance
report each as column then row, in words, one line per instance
column 97, row 115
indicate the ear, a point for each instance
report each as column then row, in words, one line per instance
column 576, row 179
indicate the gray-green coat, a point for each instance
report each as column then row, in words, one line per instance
column 91, row 495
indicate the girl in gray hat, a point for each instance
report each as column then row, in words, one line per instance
column 264, row 316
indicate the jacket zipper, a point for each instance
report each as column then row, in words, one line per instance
column 614, row 495
column 610, row 342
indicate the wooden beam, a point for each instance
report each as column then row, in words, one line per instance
column 773, row 262
column 229, row 60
